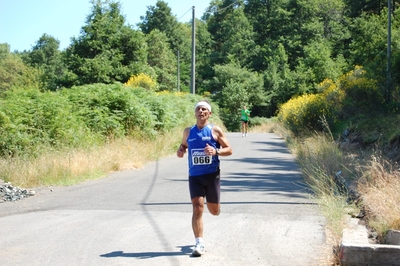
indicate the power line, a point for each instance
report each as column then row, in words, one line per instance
column 185, row 13
column 222, row 9
column 216, row 11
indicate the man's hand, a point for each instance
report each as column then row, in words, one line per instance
column 181, row 151
column 210, row 150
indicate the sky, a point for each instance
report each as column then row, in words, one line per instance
column 23, row 22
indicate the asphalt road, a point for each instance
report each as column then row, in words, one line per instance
column 143, row 216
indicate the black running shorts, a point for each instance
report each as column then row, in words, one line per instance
column 206, row 186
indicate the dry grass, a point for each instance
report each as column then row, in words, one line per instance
column 380, row 190
column 320, row 158
column 264, row 128
column 74, row 166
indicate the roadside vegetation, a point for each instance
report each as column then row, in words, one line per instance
column 351, row 164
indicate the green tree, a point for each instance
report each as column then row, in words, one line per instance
column 107, row 50
column 161, row 18
column 238, row 44
column 369, row 46
column 319, row 60
column 14, row 72
column 234, row 87
column 278, row 80
column 162, row 60
column 204, row 47
column 46, row 57
column 232, row 33
column 356, row 8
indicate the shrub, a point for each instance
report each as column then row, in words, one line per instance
column 258, row 121
column 112, row 110
column 142, row 81
column 32, row 120
column 306, row 112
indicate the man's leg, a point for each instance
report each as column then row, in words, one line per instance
column 213, row 195
column 214, row 208
column 197, row 225
column 197, row 217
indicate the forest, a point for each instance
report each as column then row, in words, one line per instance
column 258, row 53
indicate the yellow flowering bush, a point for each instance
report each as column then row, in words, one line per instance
column 142, row 80
column 306, row 112
column 352, row 93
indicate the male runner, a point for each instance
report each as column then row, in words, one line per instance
column 245, row 120
column 204, row 143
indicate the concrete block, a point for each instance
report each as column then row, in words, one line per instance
column 355, row 249
column 393, row 237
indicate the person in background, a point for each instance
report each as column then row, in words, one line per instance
column 245, row 121
column 204, row 143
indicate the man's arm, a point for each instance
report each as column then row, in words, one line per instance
column 184, row 145
column 220, row 137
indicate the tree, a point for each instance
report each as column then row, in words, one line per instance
column 204, row 47
column 232, row 34
column 356, row 8
column 161, row 18
column 234, row 87
column 162, row 59
column 238, row 44
column 107, row 50
column 14, row 72
column 278, row 80
column 319, row 60
column 46, row 57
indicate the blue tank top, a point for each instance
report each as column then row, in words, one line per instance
column 199, row 162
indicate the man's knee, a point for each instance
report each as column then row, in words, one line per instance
column 198, row 205
column 213, row 208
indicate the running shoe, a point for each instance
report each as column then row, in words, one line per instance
column 198, row 250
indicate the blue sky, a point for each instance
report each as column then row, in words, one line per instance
column 23, row 22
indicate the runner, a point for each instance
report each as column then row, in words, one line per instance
column 245, row 121
column 204, row 143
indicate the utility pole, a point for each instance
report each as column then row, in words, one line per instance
column 192, row 76
column 389, row 43
column 178, row 79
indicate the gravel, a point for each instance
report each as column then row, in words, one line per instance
column 10, row 193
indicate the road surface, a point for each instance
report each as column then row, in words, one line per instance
column 143, row 216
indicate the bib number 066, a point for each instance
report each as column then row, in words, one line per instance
column 198, row 160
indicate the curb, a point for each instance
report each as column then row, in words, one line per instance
column 355, row 248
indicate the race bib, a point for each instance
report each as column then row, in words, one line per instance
column 200, row 158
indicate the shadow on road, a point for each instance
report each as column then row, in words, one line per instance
column 185, row 250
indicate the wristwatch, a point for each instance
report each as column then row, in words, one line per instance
column 217, row 151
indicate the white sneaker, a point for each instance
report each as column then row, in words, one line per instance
column 242, row 135
column 245, row 135
column 198, row 250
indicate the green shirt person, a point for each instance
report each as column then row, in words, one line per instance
column 245, row 121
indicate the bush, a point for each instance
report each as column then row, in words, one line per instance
column 351, row 95
column 32, row 121
column 306, row 112
column 142, row 81
column 258, row 121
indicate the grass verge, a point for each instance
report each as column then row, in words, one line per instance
column 74, row 166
